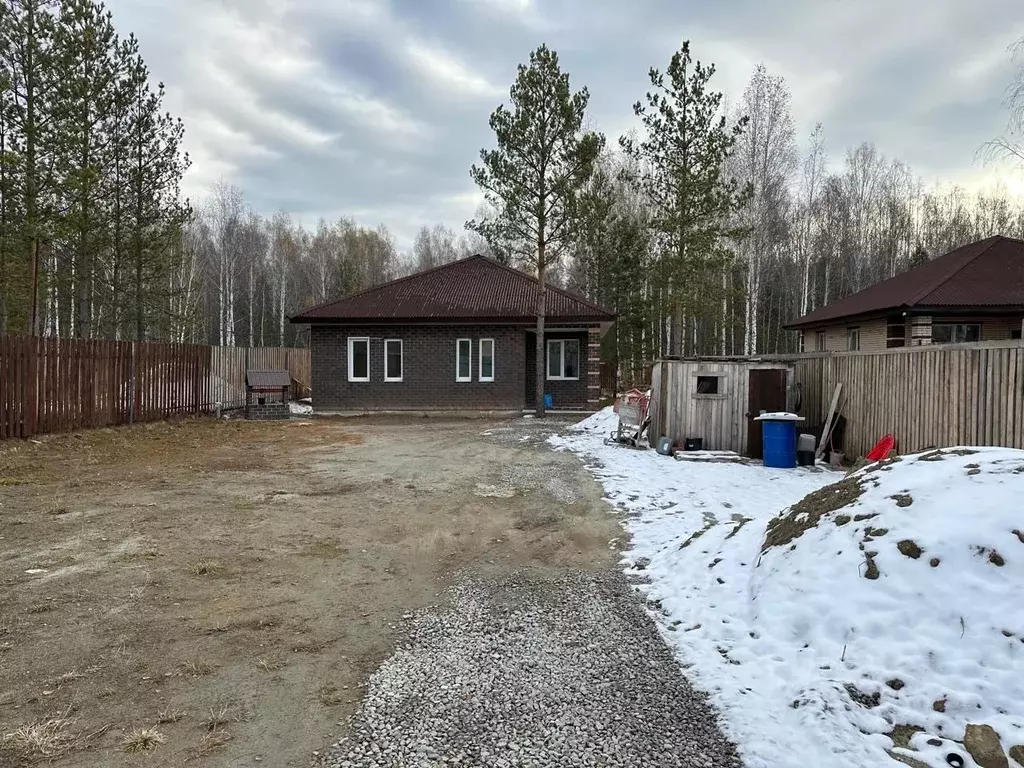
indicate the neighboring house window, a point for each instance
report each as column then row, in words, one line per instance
column 896, row 333
column 819, row 341
column 463, row 362
column 358, row 359
column 393, row 363
column 1015, row 334
column 955, row 333
column 563, row 359
column 853, row 339
column 486, row 359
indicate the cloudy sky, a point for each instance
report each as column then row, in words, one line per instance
column 375, row 109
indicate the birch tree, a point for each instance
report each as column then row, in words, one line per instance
column 534, row 178
column 765, row 159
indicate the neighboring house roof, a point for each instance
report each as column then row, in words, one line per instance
column 985, row 274
column 475, row 289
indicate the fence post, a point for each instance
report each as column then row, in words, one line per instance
column 32, row 386
column 131, row 385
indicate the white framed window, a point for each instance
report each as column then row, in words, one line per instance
column 563, row 359
column 358, row 359
column 394, row 363
column 463, row 360
column 486, row 358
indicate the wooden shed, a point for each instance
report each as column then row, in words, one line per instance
column 717, row 400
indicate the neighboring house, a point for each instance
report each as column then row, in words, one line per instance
column 975, row 293
column 460, row 336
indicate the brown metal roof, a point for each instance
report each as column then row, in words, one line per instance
column 268, row 379
column 988, row 274
column 476, row 289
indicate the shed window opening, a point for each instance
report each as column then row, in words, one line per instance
column 955, row 333
column 463, row 360
column 819, row 341
column 486, row 359
column 563, row 359
column 393, row 363
column 707, row 385
column 358, row 359
column 853, row 339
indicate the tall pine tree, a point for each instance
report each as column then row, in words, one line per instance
column 682, row 171
column 533, row 179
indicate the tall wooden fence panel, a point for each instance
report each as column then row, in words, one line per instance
column 57, row 385
column 930, row 396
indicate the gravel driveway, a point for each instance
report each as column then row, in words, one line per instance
column 534, row 667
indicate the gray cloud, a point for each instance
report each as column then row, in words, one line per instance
column 377, row 108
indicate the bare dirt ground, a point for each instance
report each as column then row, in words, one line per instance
column 231, row 585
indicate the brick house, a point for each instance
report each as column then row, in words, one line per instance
column 457, row 337
column 972, row 294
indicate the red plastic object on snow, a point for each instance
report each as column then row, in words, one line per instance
column 882, row 448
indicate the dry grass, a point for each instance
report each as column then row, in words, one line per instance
column 268, row 665
column 49, row 738
column 330, row 695
column 207, row 568
column 170, row 715
column 41, row 607
column 211, row 743
column 142, row 740
column 67, row 677
column 197, row 668
column 223, row 714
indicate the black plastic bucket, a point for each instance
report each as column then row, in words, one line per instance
column 693, row 444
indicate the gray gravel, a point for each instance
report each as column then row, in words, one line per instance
column 533, row 671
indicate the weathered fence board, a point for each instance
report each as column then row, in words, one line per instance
column 928, row 396
column 58, row 385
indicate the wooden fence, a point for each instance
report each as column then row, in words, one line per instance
column 929, row 396
column 57, row 385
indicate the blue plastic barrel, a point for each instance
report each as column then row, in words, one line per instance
column 779, row 443
column 549, row 401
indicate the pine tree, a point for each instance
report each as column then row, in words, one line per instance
column 919, row 256
column 85, row 46
column 534, row 177
column 14, row 268
column 155, row 211
column 26, row 53
column 682, row 159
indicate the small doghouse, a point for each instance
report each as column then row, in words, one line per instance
column 266, row 394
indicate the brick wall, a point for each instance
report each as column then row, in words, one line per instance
column 567, row 393
column 267, row 411
column 428, row 375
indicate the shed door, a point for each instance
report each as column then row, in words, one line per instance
column 767, row 393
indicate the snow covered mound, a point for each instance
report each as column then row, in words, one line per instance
column 603, row 422
column 907, row 579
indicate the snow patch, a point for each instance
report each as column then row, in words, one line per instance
column 811, row 662
column 298, row 408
